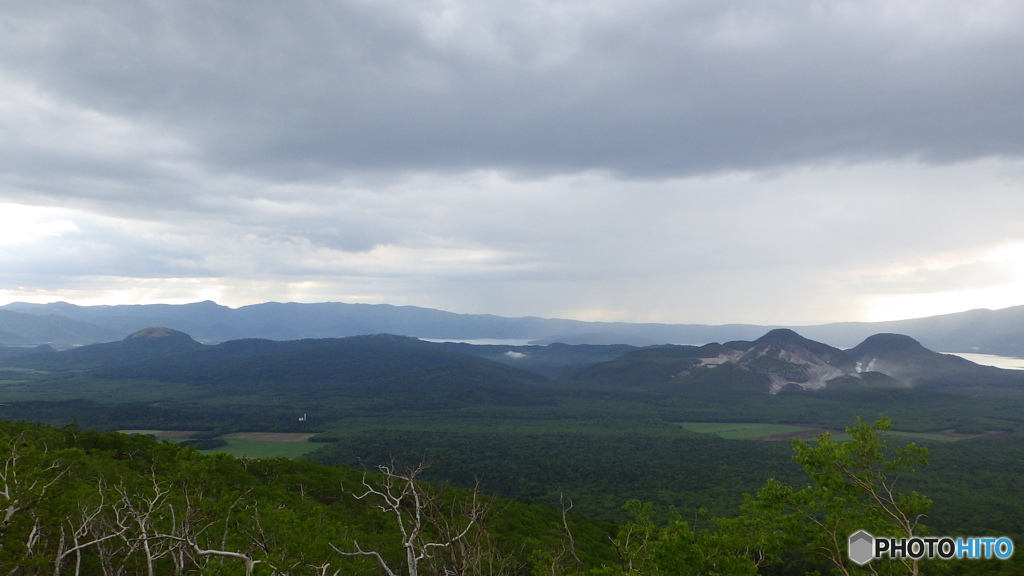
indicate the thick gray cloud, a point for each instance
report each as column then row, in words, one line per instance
column 293, row 90
column 644, row 160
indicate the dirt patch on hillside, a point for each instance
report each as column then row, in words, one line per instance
column 271, row 436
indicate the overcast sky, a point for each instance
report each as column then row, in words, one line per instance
column 706, row 161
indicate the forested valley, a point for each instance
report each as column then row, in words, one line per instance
column 552, row 460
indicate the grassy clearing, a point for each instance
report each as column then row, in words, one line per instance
column 164, row 434
column 271, row 436
column 740, row 430
column 747, row 430
column 261, row 449
column 247, row 444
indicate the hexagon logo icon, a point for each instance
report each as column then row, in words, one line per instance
column 861, row 547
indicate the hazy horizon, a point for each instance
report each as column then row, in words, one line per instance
column 792, row 325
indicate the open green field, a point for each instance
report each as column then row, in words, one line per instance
column 944, row 436
column 263, row 449
column 246, row 444
column 753, row 430
column 741, row 430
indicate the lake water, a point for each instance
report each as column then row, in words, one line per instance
column 992, row 360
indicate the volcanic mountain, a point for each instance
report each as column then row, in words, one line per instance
column 903, row 358
column 782, row 360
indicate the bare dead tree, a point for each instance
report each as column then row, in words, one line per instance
column 198, row 550
column 84, row 531
column 322, row 570
column 414, row 508
column 474, row 553
column 25, row 484
column 185, row 524
column 144, row 511
column 28, row 475
column 557, row 560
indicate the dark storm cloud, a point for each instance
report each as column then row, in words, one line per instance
column 288, row 90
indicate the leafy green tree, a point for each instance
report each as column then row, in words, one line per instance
column 636, row 540
column 732, row 547
column 854, row 487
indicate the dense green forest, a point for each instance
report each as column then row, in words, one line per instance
column 83, row 502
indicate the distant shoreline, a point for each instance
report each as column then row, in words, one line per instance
column 1006, row 362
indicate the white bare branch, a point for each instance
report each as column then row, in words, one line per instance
column 413, row 506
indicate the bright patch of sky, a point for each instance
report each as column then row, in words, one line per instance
column 28, row 224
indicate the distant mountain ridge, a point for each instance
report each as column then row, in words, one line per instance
column 65, row 325
column 210, row 322
column 402, row 367
column 397, row 368
column 17, row 329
